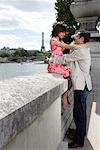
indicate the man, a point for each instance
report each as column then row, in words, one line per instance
column 80, row 61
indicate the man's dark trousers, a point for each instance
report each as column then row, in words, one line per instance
column 79, row 114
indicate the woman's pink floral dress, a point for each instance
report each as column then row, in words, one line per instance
column 57, row 68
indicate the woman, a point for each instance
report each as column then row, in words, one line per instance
column 57, row 47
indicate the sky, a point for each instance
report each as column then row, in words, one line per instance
column 23, row 21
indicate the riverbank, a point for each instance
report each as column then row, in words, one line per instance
column 34, row 62
column 19, row 59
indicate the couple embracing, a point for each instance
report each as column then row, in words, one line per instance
column 74, row 66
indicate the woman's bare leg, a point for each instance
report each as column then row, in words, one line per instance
column 65, row 99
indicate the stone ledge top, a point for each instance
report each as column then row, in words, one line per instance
column 17, row 92
column 23, row 99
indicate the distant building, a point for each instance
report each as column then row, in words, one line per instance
column 5, row 49
column 12, row 50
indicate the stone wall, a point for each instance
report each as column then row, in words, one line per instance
column 4, row 60
column 67, row 117
column 95, row 53
column 30, row 112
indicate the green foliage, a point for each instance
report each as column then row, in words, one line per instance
column 39, row 54
column 4, row 54
column 64, row 15
column 20, row 52
column 47, row 54
column 63, row 12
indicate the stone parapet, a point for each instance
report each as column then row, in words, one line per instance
column 24, row 99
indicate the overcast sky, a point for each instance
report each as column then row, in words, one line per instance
column 22, row 23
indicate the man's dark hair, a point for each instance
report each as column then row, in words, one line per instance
column 86, row 36
column 57, row 29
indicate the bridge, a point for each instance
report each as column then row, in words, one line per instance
column 30, row 111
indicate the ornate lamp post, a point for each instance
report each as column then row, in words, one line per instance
column 87, row 12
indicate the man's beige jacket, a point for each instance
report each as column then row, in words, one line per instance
column 80, row 62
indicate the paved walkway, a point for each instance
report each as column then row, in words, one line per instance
column 92, row 141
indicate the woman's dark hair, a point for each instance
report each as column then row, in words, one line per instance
column 57, row 29
column 86, row 36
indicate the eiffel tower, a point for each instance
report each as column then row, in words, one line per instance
column 42, row 47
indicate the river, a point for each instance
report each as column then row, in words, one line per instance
column 10, row 70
